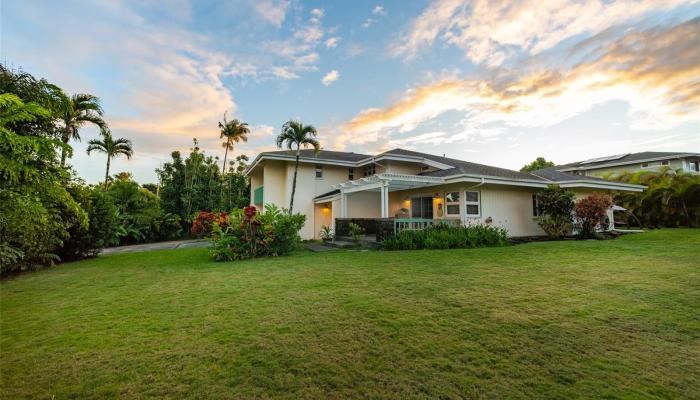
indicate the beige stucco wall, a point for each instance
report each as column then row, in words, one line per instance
column 364, row 205
column 322, row 216
column 274, row 182
column 256, row 180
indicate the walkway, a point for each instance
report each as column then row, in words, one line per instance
column 175, row 244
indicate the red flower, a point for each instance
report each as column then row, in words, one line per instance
column 250, row 212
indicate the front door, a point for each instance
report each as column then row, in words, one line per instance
column 422, row 207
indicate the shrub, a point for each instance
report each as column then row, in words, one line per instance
column 442, row 236
column 590, row 212
column 203, row 224
column 251, row 234
column 326, row 233
column 356, row 231
column 554, row 207
column 103, row 224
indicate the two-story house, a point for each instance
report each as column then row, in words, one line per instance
column 610, row 166
column 407, row 186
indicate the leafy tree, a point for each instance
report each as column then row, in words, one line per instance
column 295, row 136
column 111, row 147
column 234, row 131
column 590, row 212
column 555, row 207
column 539, row 163
column 76, row 111
column 671, row 197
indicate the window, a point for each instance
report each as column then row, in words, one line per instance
column 319, row 171
column 473, row 204
column 645, row 164
column 535, row 206
column 452, row 204
column 664, row 162
column 422, row 207
column 694, row 166
column 369, row 170
column 351, row 174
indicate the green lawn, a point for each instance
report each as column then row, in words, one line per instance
column 610, row 319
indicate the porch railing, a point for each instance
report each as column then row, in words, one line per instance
column 403, row 224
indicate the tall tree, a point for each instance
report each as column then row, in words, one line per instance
column 111, row 147
column 539, row 163
column 234, row 131
column 296, row 134
column 76, row 111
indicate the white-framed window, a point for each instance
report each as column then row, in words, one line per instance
column 452, row 204
column 472, row 201
column 351, row 173
column 645, row 164
column 694, row 166
column 319, row 171
column 369, row 170
column 664, row 162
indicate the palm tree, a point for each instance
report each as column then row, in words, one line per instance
column 294, row 133
column 234, row 131
column 111, row 147
column 76, row 111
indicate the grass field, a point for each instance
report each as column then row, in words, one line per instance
column 589, row 319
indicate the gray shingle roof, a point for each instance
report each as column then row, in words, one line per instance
column 551, row 174
column 323, row 155
column 464, row 167
column 628, row 158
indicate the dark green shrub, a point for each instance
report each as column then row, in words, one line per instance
column 555, row 206
column 251, row 234
column 444, row 236
column 356, row 231
column 103, row 224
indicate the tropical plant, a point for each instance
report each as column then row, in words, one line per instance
column 539, row 163
column 252, row 234
column 76, row 111
column 204, row 222
column 111, row 147
column 233, row 131
column 555, row 207
column 295, row 136
column 356, row 231
column 326, row 233
column 671, row 197
column 590, row 213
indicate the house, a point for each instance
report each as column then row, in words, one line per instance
column 405, row 188
column 605, row 167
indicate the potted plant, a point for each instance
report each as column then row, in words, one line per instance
column 327, row 234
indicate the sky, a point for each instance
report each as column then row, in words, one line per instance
column 496, row 82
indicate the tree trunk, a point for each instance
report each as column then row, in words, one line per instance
column 107, row 171
column 64, row 139
column 294, row 182
column 223, row 167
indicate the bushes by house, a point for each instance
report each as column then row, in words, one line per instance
column 251, row 234
column 590, row 213
column 555, row 206
column 444, row 236
column 205, row 221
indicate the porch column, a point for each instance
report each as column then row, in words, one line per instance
column 385, row 200
column 343, row 204
column 463, row 206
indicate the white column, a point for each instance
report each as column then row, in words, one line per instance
column 343, row 204
column 385, row 200
column 463, row 206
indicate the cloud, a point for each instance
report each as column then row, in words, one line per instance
column 330, row 77
column 368, row 22
column 379, row 10
column 491, row 31
column 332, row 42
column 271, row 11
column 318, row 13
column 284, row 73
column 261, row 132
column 654, row 72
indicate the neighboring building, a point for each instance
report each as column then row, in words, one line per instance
column 408, row 186
column 605, row 167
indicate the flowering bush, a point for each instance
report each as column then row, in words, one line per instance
column 251, row 234
column 590, row 212
column 204, row 222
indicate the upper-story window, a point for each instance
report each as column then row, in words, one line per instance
column 351, row 174
column 369, row 170
column 319, row 171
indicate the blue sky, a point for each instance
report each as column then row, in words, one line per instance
column 495, row 82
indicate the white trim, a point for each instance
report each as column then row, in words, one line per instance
column 468, row 203
column 458, row 203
